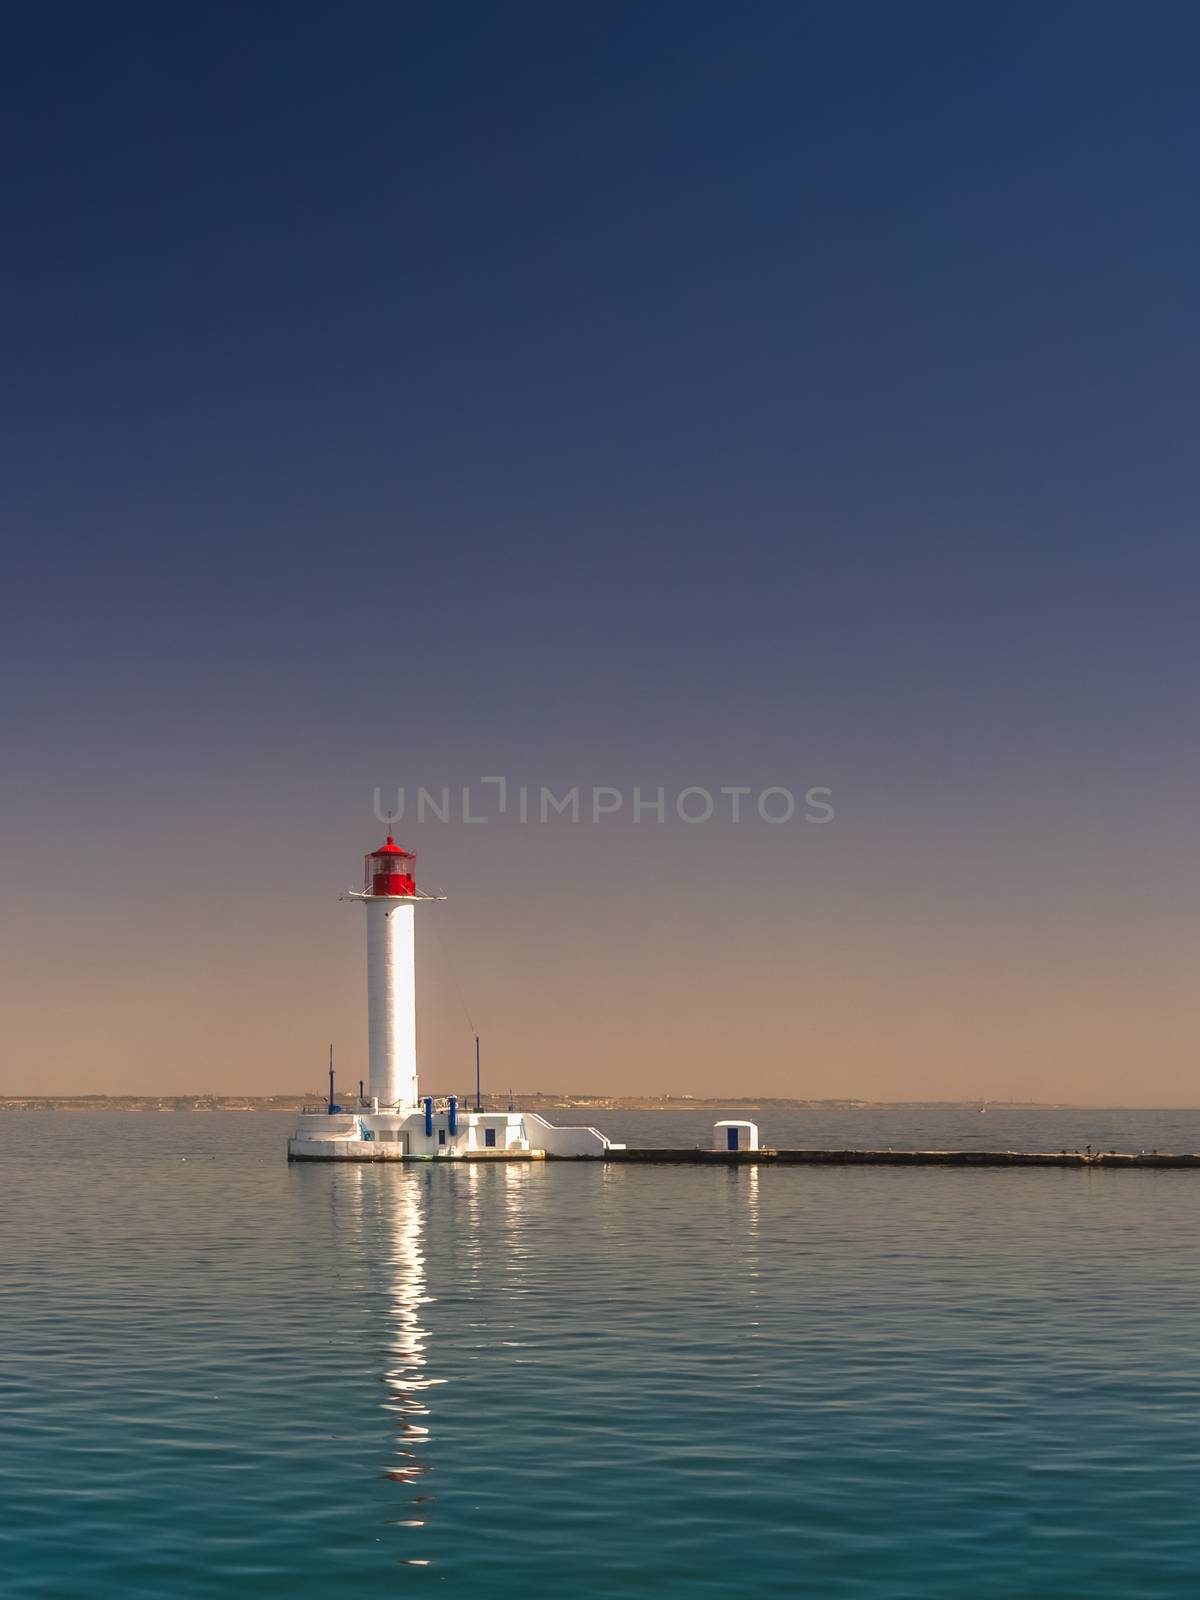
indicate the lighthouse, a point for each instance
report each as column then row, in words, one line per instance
column 392, row 1122
column 389, row 894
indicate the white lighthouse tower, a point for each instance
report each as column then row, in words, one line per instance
column 390, row 895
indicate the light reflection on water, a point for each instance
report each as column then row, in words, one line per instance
column 407, row 1381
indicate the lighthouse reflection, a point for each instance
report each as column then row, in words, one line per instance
column 394, row 1232
column 401, row 1201
column 390, row 1211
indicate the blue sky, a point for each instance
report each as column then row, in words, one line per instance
column 637, row 395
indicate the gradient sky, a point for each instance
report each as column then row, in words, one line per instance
column 632, row 395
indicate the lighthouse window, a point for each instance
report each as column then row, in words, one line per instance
column 441, row 1135
column 489, row 1138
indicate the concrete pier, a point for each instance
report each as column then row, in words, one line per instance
column 899, row 1158
column 377, row 1150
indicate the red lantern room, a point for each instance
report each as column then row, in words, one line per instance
column 389, row 870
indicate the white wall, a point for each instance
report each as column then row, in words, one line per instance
column 320, row 1125
column 571, row 1141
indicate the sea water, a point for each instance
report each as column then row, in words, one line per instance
column 224, row 1376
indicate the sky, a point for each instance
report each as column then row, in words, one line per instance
column 676, row 396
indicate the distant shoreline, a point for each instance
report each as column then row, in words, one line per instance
column 542, row 1101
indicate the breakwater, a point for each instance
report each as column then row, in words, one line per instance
column 904, row 1158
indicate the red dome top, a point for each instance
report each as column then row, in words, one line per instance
column 391, row 848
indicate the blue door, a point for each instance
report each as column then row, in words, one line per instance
column 731, row 1138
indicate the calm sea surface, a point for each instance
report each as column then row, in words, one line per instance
column 225, row 1376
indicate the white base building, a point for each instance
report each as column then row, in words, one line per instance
column 443, row 1133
